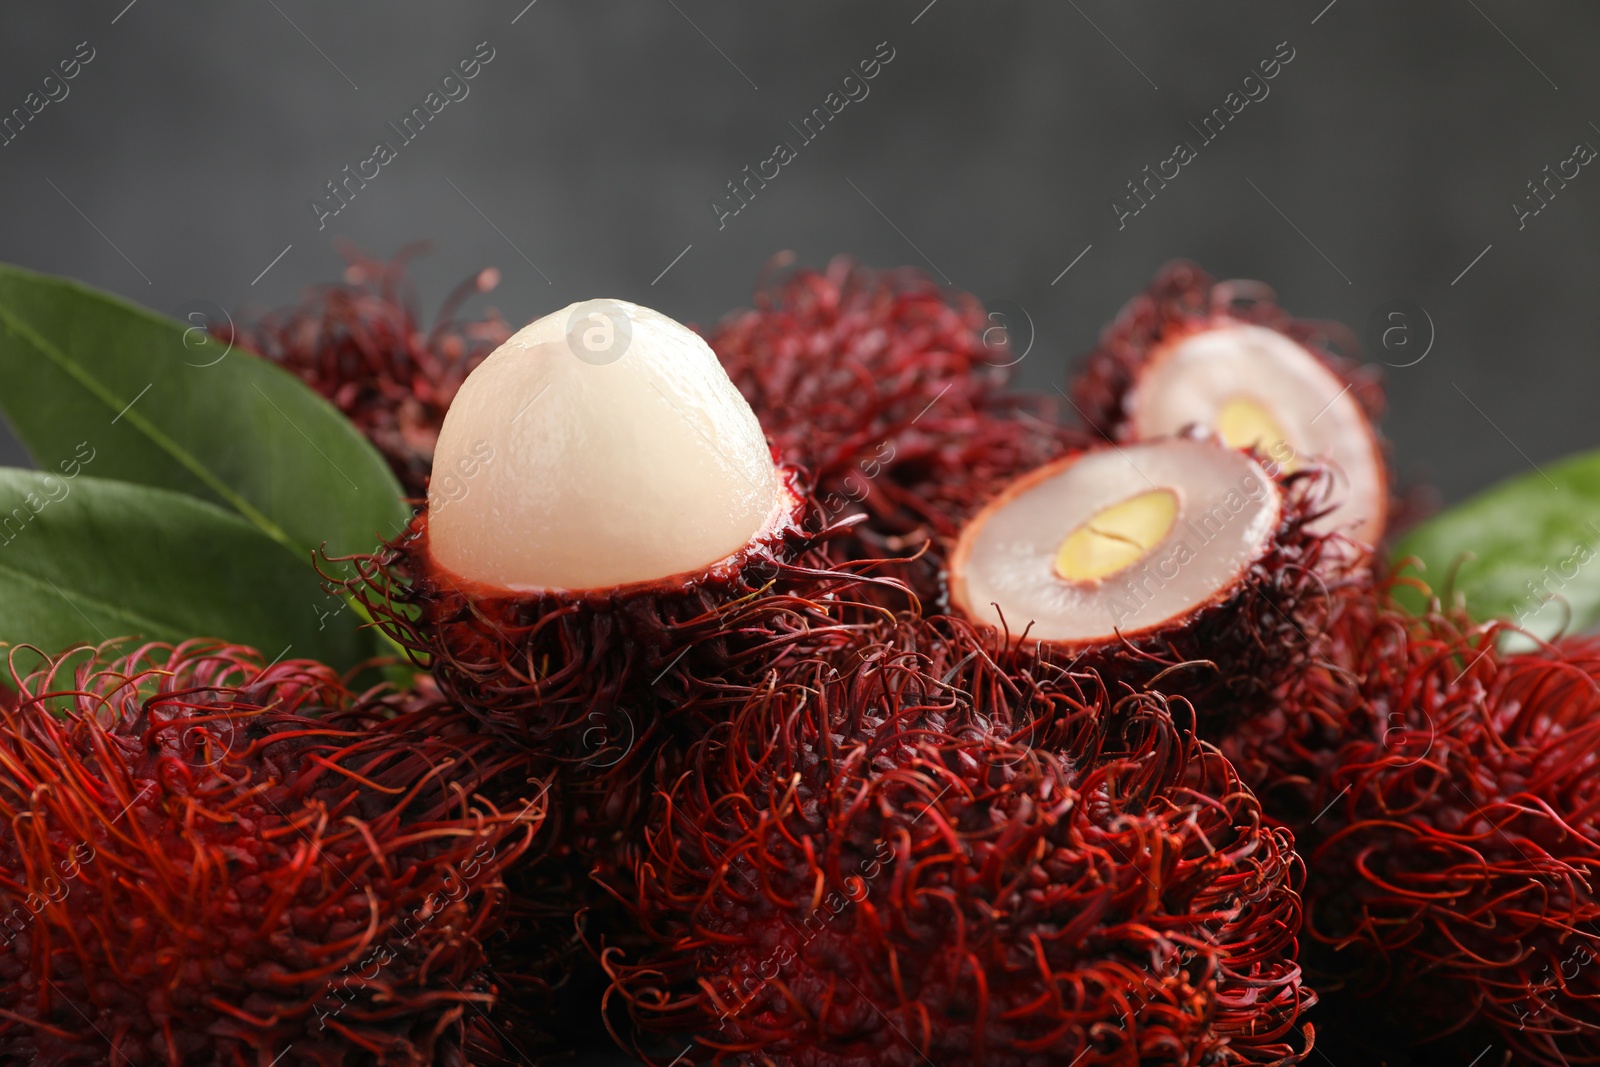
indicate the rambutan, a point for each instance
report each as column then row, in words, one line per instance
column 630, row 544
column 1455, row 842
column 361, row 344
column 213, row 861
column 892, row 392
column 1285, row 750
column 1223, row 356
column 871, row 867
column 1181, row 559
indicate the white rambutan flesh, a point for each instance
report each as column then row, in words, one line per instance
column 1256, row 387
column 602, row 445
column 1116, row 542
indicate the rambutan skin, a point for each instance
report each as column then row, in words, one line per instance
column 881, row 385
column 548, row 667
column 215, row 862
column 1182, row 299
column 361, row 344
column 872, row 868
column 1455, row 845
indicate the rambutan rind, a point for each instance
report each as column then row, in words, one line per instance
column 545, row 666
column 1458, row 853
column 880, row 384
column 216, row 862
column 858, row 870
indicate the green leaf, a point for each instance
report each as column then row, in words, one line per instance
column 1527, row 549
column 84, row 560
column 162, row 404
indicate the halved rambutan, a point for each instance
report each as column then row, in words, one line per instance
column 211, row 861
column 361, row 344
column 1137, row 559
column 892, row 391
column 863, row 868
column 1225, row 357
column 622, row 533
column 1457, row 852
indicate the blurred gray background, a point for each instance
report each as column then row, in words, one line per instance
column 1383, row 163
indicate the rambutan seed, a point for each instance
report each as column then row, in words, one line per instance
column 1261, row 389
column 1116, row 541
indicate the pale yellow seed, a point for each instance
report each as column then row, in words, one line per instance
column 1117, row 537
column 1245, row 423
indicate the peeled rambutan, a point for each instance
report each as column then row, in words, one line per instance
column 892, row 391
column 362, row 345
column 215, row 862
column 1224, row 357
column 1454, row 859
column 623, row 537
column 1179, row 558
column 866, row 867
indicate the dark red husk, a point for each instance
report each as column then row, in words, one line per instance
column 1182, row 299
column 873, row 868
column 361, row 344
column 546, row 668
column 607, row 806
column 881, row 385
column 216, row 862
column 1345, row 685
column 1457, row 833
column 551, row 980
column 599, row 690
column 1232, row 657
column 549, row 985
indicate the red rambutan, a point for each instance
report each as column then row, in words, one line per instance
column 215, row 862
column 1225, row 357
column 360, row 344
column 871, row 867
column 891, row 391
column 1457, row 835
column 1139, row 560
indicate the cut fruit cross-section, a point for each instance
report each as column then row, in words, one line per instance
column 1259, row 388
column 1116, row 542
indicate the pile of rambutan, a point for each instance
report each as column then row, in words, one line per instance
column 215, row 861
column 804, row 695
column 917, row 857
